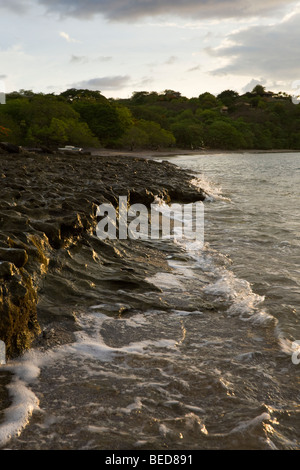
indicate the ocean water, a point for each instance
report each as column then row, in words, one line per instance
column 218, row 368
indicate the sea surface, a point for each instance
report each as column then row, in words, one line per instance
column 220, row 370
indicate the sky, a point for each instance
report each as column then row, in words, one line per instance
column 119, row 47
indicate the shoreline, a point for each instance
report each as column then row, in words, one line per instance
column 175, row 152
column 48, row 205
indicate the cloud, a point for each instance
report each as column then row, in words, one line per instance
column 82, row 59
column 195, row 69
column 252, row 84
column 103, row 83
column 171, row 60
column 16, row 6
column 67, row 37
column 269, row 51
column 76, row 59
column 124, row 10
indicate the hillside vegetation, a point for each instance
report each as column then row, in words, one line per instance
column 149, row 120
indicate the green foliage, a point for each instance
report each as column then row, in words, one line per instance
column 4, row 131
column 223, row 135
column 157, row 136
column 228, row 97
column 259, row 90
column 48, row 120
column 188, row 135
column 104, row 120
column 208, row 101
column 73, row 95
column 151, row 120
column 147, row 134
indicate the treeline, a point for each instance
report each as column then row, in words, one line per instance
column 149, row 120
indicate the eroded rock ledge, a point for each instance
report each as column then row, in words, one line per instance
column 50, row 259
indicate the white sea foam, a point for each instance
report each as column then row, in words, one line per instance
column 24, row 401
column 221, row 284
column 165, row 281
column 89, row 345
column 212, row 191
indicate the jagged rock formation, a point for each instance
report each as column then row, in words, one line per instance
column 51, row 262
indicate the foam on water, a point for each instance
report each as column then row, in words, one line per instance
column 24, row 402
column 213, row 192
column 223, row 285
column 89, row 345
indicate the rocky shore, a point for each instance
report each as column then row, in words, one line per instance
column 51, row 261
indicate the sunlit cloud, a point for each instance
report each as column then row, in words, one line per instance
column 67, row 37
column 103, row 83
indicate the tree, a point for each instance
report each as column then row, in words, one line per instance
column 223, row 135
column 79, row 134
column 245, row 130
column 259, row 90
column 150, row 120
column 73, row 95
column 102, row 118
column 4, row 131
column 207, row 116
column 228, row 97
column 61, row 132
column 147, row 134
column 188, row 135
column 144, row 97
column 157, row 136
column 134, row 138
column 14, row 126
column 208, row 101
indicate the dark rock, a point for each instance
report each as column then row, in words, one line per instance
column 51, row 230
column 46, row 150
column 9, row 148
column 16, row 256
column 18, row 320
column 7, row 270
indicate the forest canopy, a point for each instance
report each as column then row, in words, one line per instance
column 149, row 120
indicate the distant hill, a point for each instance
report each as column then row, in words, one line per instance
column 258, row 119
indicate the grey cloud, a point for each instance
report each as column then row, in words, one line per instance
column 16, row 6
column 269, row 51
column 171, row 60
column 195, row 69
column 103, row 83
column 144, row 82
column 76, row 59
column 124, row 10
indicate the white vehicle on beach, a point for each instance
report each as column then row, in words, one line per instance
column 70, row 148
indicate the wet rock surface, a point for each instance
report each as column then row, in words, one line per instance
column 51, row 261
